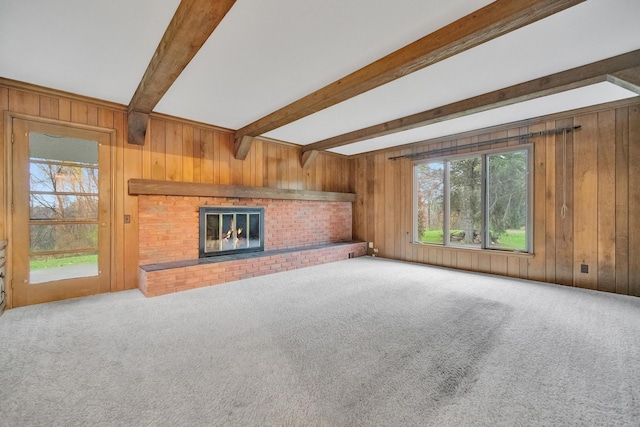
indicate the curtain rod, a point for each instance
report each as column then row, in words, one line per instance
column 492, row 141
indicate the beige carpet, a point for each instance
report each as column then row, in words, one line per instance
column 363, row 342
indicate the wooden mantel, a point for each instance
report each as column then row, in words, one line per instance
column 173, row 188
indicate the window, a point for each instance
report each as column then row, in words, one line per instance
column 476, row 201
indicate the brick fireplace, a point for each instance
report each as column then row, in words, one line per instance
column 297, row 233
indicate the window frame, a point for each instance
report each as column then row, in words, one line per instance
column 484, row 159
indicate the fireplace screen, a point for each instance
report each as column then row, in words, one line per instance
column 230, row 230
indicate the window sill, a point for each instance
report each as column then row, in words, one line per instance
column 476, row 250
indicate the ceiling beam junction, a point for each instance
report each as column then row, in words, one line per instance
column 189, row 29
column 621, row 70
column 494, row 20
column 308, row 157
column 628, row 79
column 242, row 147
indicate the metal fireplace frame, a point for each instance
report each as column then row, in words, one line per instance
column 217, row 210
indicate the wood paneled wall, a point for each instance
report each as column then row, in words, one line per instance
column 175, row 150
column 601, row 228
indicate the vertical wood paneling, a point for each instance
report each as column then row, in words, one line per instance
column 49, row 107
column 370, row 177
column 235, row 166
column 119, row 195
column 524, row 268
column 207, row 161
column 564, row 226
column 4, row 105
column 295, row 169
column 380, row 205
column 224, row 158
column 585, row 216
column 173, row 152
column 537, row 264
column 602, row 225
column 484, row 262
column 634, row 200
column 606, row 201
column 400, row 238
column 105, row 118
column 310, row 176
column 622, row 201
column 146, row 154
column 79, row 112
column 24, row 102
column 157, row 142
column 513, row 266
column 550, row 205
column 249, row 166
column 446, row 258
column 259, row 171
column 499, row 265
column 464, row 260
column 64, row 110
column 229, row 166
column 281, row 167
column 272, row 165
column 197, row 155
column 187, row 154
column 133, row 155
column 432, row 256
column 320, row 172
column 215, row 156
column 601, row 229
column 406, row 202
column 92, row 115
column 390, row 226
column 358, row 218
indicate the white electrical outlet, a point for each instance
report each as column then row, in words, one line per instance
column 370, row 245
column 375, row 250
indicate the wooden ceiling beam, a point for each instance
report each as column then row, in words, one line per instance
column 622, row 66
column 494, row 20
column 189, row 29
column 242, row 147
column 308, row 158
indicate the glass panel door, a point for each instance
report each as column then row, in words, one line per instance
column 61, row 223
column 63, row 207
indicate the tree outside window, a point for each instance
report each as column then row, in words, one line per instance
column 478, row 201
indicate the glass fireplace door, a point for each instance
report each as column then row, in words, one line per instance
column 230, row 230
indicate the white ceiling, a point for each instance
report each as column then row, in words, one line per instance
column 90, row 47
column 266, row 54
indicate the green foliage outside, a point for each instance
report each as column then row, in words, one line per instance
column 510, row 239
column 63, row 262
column 432, row 236
column 514, row 239
column 505, row 207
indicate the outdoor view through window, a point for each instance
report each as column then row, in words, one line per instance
column 63, row 201
column 454, row 208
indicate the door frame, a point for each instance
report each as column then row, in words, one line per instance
column 8, row 166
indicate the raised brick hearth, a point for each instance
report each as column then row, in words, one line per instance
column 165, row 278
column 298, row 233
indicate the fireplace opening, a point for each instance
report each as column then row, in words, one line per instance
column 225, row 230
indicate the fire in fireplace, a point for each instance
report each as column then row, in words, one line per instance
column 225, row 230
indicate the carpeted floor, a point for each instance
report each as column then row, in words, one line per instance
column 363, row 342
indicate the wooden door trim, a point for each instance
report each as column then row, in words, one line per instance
column 8, row 166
